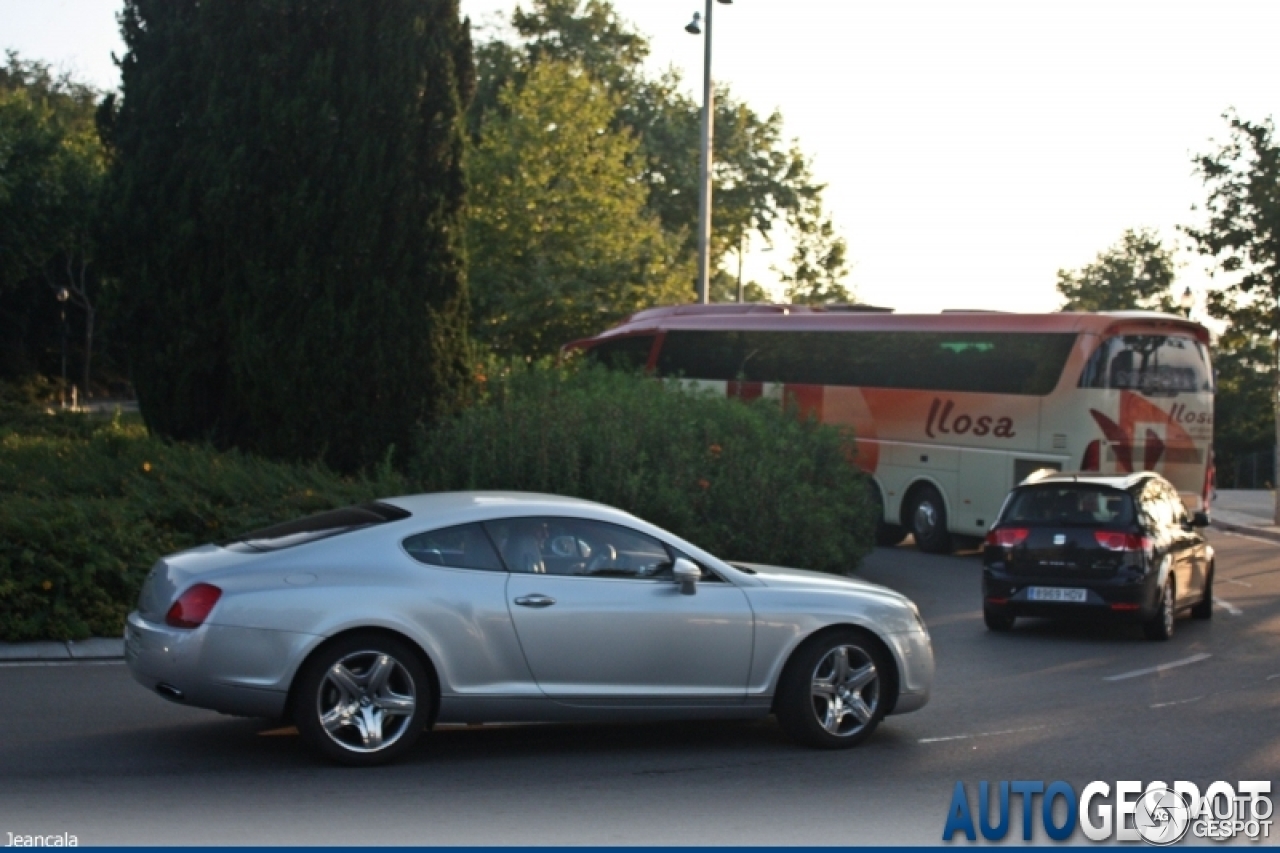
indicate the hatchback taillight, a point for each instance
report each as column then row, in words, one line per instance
column 1007, row 537
column 1116, row 541
column 193, row 606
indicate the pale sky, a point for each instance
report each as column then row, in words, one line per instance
column 971, row 148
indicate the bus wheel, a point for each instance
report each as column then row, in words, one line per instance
column 928, row 520
column 887, row 535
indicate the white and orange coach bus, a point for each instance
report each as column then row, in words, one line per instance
column 950, row 410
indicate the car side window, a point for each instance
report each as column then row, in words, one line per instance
column 575, row 546
column 466, row 546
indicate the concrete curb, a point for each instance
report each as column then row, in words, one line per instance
column 95, row 648
column 1245, row 530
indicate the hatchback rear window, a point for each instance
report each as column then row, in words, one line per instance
column 1070, row 504
column 319, row 526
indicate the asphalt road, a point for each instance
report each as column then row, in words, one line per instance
column 86, row 751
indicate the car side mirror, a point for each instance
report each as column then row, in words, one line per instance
column 1200, row 519
column 686, row 573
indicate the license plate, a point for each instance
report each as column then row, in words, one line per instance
column 1053, row 593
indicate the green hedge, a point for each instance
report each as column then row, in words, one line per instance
column 747, row 481
column 88, row 505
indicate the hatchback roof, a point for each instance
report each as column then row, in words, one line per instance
column 1113, row 481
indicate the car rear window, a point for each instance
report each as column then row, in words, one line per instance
column 319, row 526
column 1069, row 504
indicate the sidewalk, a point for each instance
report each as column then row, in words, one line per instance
column 1236, row 511
column 95, row 648
column 1246, row 511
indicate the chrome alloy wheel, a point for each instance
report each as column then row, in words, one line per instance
column 845, row 690
column 926, row 520
column 365, row 701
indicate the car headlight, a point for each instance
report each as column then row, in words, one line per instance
column 915, row 611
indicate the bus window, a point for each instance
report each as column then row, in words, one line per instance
column 995, row 363
column 629, row 353
column 1149, row 364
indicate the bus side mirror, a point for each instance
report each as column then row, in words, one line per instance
column 686, row 574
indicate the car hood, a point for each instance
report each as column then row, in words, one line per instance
column 804, row 579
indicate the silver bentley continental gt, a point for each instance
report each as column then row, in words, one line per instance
column 367, row 625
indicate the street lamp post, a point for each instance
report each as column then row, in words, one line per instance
column 695, row 27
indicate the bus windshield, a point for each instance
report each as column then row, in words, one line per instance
column 1149, row 364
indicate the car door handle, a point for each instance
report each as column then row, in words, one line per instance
column 535, row 601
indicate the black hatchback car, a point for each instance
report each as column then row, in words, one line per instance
column 1073, row 546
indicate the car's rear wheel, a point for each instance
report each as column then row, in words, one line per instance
column 1204, row 610
column 928, row 521
column 1160, row 626
column 834, row 692
column 997, row 620
column 363, row 700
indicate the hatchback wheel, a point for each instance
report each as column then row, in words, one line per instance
column 998, row 621
column 832, row 694
column 1204, row 610
column 1160, row 626
column 363, row 700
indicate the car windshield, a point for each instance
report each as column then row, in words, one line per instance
column 1070, row 504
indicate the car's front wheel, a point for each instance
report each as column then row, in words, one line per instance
column 363, row 700
column 1204, row 610
column 833, row 693
column 1160, row 626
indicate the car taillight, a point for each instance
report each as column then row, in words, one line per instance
column 1092, row 456
column 193, row 606
column 1117, row 541
column 1007, row 537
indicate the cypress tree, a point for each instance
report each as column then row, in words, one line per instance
column 288, row 196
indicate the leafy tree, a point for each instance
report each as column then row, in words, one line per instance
column 1242, row 233
column 561, row 242
column 52, row 166
column 288, row 194
column 1243, row 417
column 760, row 180
column 819, row 261
column 1136, row 272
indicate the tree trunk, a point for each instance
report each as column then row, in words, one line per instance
column 88, row 346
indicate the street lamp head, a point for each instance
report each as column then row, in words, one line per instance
column 63, row 294
column 726, row 2
column 694, row 27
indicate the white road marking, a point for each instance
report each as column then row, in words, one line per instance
column 1179, row 702
column 1228, row 606
column 981, row 734
column 1161, row 668
column 1237, row 583
column 18, row 663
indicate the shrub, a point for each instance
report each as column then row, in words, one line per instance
column 747, row 481
column 88, row 505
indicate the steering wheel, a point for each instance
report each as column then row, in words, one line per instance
column 605, row 555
